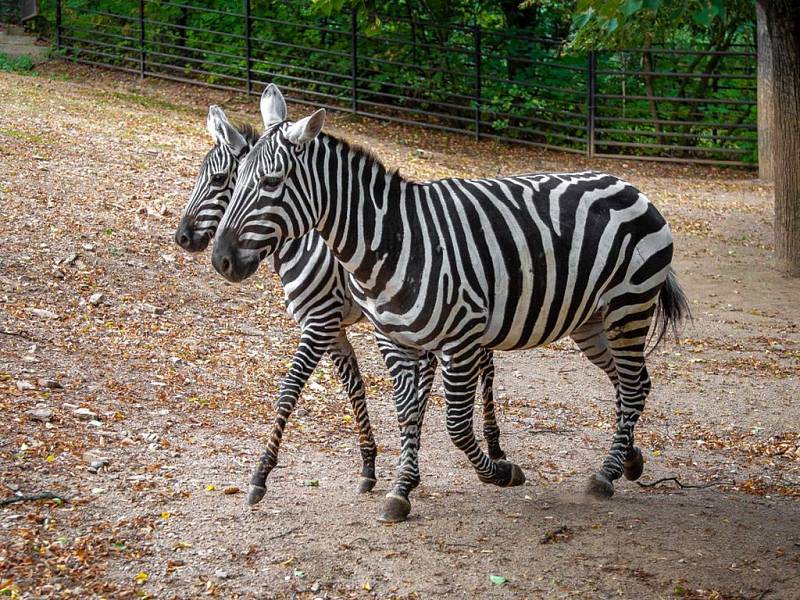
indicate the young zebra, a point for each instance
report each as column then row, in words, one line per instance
column 458, row 266
column 317, row 297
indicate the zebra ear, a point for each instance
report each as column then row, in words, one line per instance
column 222, row 132
column 306, row 129
column 273, row 106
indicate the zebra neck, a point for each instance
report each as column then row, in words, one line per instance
column 363, row 216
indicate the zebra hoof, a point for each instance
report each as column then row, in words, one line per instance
column 255, row 494
column 515, row 475
column 365, row 484
column 395, row 509
column 633, row 465
column 600, row 486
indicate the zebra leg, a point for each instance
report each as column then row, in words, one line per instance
column 313, row 344
column 460, row 374
column 490, row 429
column 626, row 336
column 403, row 364
column 344, row 359
column 592, row 340
column 427, row 371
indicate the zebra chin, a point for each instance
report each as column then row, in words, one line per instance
column 232, row 262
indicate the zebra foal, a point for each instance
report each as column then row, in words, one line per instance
column 458, row 267
column 317, row 297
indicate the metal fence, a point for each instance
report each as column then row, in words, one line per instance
column 655, row 103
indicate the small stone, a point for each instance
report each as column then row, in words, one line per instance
column 98, row 491
column 69, row 405
column 24, row 386
column 50, row 384
column 88, row 247
column 40, row 414
column 96, row 299
column 96, row 465
column 95, row 423
column 42, row 313
column 220, row 574
column 85, row 414
column 175, row 360
column 153, row 309
column 230, row 491
column 315, row 587
column 420, row 153
column 29, row 358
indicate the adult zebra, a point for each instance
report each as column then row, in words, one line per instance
column 456, row 266
column 317, row 297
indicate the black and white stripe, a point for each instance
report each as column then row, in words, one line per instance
column 458, row 267
column 317, row 297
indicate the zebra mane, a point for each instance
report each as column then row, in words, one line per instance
column 249, row 132
column 371, row 159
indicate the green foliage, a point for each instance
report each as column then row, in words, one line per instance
column 618, row 24
column 16, row 64
column 417, row 60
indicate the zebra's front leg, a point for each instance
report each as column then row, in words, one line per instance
column 403, row 365
column 460, row 374
column 344, row 359
column 426, row 372
column 491, row 431
column 313, row 345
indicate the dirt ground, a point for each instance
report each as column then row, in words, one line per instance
column 180, row 370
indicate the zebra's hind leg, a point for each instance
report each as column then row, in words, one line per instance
column 460, row 373
column 626, row 330
column 490, row 429
column 313, row 344
column 344, row 359
column 403, row 365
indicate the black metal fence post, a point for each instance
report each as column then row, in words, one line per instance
column 591, row 88
column 248, row 35
column 58, row 24
column 142, row 57
column 354, row 61
column 476, row 34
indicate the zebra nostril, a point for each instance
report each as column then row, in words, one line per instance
column 184, row 240
column 226, row 265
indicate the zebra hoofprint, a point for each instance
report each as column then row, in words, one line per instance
column 458, row 266
column 317, row 297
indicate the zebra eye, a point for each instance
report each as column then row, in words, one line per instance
column 270, row 183
column 219, row 178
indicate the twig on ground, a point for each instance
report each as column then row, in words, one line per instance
column 539, row 432
column 32, row 497
column 21, row 334
column 285, row 533
column 683, row 486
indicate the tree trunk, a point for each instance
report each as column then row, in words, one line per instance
column 765, row 83
column 783, row 23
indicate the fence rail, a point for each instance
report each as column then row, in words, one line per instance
column 651, row 103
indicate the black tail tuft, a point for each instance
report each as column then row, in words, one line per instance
column 672, row 309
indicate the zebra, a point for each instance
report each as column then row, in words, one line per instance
column 317, row 297
column 459, row 266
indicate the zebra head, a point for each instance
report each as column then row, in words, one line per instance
column 273, row 199
column 215, row 182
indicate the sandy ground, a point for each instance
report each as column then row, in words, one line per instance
column 180, row 370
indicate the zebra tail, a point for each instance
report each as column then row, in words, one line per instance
column 672, row 309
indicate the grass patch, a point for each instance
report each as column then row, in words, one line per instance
column 16, row 64
column 149, row 102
